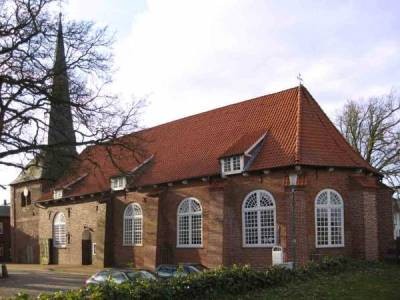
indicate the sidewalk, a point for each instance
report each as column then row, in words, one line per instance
column 70, row 269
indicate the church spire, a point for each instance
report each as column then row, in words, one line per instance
column 50, row 164
column 61, row 133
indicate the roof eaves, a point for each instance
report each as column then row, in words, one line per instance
column 71, row 197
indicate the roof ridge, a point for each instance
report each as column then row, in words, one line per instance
column 297, row 158
column 215, row 109
column 142, row 130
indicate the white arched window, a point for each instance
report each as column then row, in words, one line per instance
column 259, row 219
column 59, row 231
column 190, row 223
column 329, row 227
column 133, row 225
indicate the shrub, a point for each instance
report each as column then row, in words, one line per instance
column 234, row 280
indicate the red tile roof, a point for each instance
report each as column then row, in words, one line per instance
column 244, row 142
column 298, row 132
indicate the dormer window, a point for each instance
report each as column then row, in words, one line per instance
column 232, row 165
column 118, row 183
column 58, row 194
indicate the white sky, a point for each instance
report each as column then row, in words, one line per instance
column 190, row 56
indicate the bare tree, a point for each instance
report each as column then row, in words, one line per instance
column 372, row 127
column 28, row 35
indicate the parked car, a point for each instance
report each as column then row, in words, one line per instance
column 120, row 276
column 168, row 271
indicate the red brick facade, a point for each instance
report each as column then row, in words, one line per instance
column 5, row 239
column 367, row 222
column 25, row 224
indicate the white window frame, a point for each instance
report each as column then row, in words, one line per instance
column 329, row 207
column 1, row 228
column 229, row 160
column 190, row 214
column 118, row 183
column 57, row 194
column 258, row 209
column 396, row 225
column 60, row 241
column 94, row 249
column 133, row 218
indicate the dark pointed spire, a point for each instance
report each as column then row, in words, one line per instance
column 60, row 65
column 61, row 131
column 51, row 164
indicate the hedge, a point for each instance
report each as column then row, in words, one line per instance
column 234, row 280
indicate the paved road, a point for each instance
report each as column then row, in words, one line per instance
column 34, row 282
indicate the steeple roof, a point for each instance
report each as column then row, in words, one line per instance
column 50, row 164
column 60, row 127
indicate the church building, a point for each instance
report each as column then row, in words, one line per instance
column 221, row 187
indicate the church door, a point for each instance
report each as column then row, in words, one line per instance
column 86, row 247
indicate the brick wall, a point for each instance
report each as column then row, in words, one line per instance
column 385, row 220
column 356, row 210
column 211, row 199
column 85, row 215
column 222, row 220
column 236, row 188
column 370, row 225
column 365, row 223
column 25, row 224
column 316, row 181
column 5, row 239
column 138, row 256
column 160, row 227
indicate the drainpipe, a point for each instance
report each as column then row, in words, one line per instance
column 293, row 183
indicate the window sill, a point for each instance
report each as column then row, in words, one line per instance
column 328, row 246
column 128, row 245
column 259, row 246
column 60, row 247
column 231, row 172
column 118, row 189
column 189, row 246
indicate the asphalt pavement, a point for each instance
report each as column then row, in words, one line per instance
column 36, row 282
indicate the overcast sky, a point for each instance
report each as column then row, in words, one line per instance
column 190, row 56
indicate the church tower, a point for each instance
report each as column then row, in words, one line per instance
column 61, row 135
column 47, row 167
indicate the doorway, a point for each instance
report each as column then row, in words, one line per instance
column 86, row 247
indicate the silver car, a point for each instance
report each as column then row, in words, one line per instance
column 168, row 271
column 120, row 276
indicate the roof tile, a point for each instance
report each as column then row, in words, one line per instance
column 298, row 132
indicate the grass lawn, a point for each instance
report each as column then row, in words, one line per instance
column 376, row 281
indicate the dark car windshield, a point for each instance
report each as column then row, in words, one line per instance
column 101, row 276
column 146, row 275
column 118, row 277
column 190, row 269
column 133, row 275
column 166, row 270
